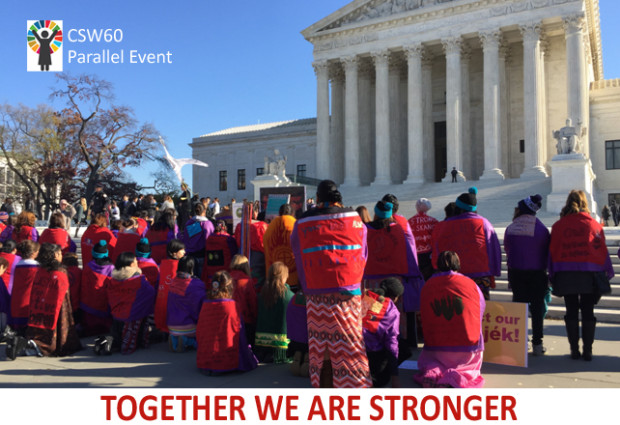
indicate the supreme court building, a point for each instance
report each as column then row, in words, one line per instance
column 408, row 89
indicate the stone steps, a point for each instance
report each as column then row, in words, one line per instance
column 607, row 310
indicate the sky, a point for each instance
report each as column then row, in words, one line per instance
column 233, row 62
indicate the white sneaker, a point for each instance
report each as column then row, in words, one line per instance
column 538, row 350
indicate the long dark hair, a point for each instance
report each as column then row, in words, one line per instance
column 47, row 257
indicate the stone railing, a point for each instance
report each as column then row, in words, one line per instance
column 605, row 84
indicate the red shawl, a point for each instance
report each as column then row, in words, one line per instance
column 126, row 242
column 25, row 275
column 217, row 333
column 9, row 273
column 168, row 271
column 91, row 237
column 451, row 311
column 466, row 237
column 150, row 269
column 387, row 251
column 56, row 236
column 218, row 254
column 25, row 233
column 48, row 291
column 578, row 238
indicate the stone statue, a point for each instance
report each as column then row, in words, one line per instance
column 275, row 166
column 568, row 138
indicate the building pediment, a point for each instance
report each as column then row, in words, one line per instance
column 367, row 11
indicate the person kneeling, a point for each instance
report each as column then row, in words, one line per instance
column 452, row 307
column 381, row 323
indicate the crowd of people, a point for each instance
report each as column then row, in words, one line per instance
column 340, row 296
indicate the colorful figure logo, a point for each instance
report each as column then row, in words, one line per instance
column 44, row 39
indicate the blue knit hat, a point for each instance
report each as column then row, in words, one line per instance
column 383, row 209
column 143, row 248
column 467, row 201
column 100, row 250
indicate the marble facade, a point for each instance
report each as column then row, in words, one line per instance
column 498, row 74
column 408, row 89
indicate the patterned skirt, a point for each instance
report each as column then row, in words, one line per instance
column 335, row 327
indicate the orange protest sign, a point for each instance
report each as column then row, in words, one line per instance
column 504, row 328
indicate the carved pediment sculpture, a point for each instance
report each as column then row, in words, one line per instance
column 383, row 8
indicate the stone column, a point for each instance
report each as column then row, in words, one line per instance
column 454, row 134
column 467, row 149
column 532, row 102
column 351, row 128
column 415, row 115
column 576, row 74
column 322, row 162
column 492, row 118
column 382, row 118
column 366, row 102
column 504, row 107
column 428, row 126
column 336, row 151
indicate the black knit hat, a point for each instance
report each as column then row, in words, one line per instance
column 327, row 191
column 530, row 205
column 467, row 201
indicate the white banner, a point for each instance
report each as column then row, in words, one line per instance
column 302, row 406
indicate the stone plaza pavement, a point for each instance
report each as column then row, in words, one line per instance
column 156, row 367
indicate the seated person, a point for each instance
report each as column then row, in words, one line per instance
column 186, row 295
column 222, row 345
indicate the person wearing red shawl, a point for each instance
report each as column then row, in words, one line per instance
column 128, row 238
column 579, row 269
column 473, row 238
column 161, row 232
column 401, row 220
column 245, row 294
column 96, row 318
column 57, row 234
column 185, row 299
column 51, row 330
column 25, row 273
column 329, row 244
column 381, row 329
column 452, row 307
column 167, row 271
column 392, row 253
column 219, row 251
column 526, row 242
column 9, row 251
column 24, row 228
column 277, row 243
column 94, row 233
column 222, row 346
column 131, row 299
column 257, row 247
column 149, row 267
column 422, row 226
